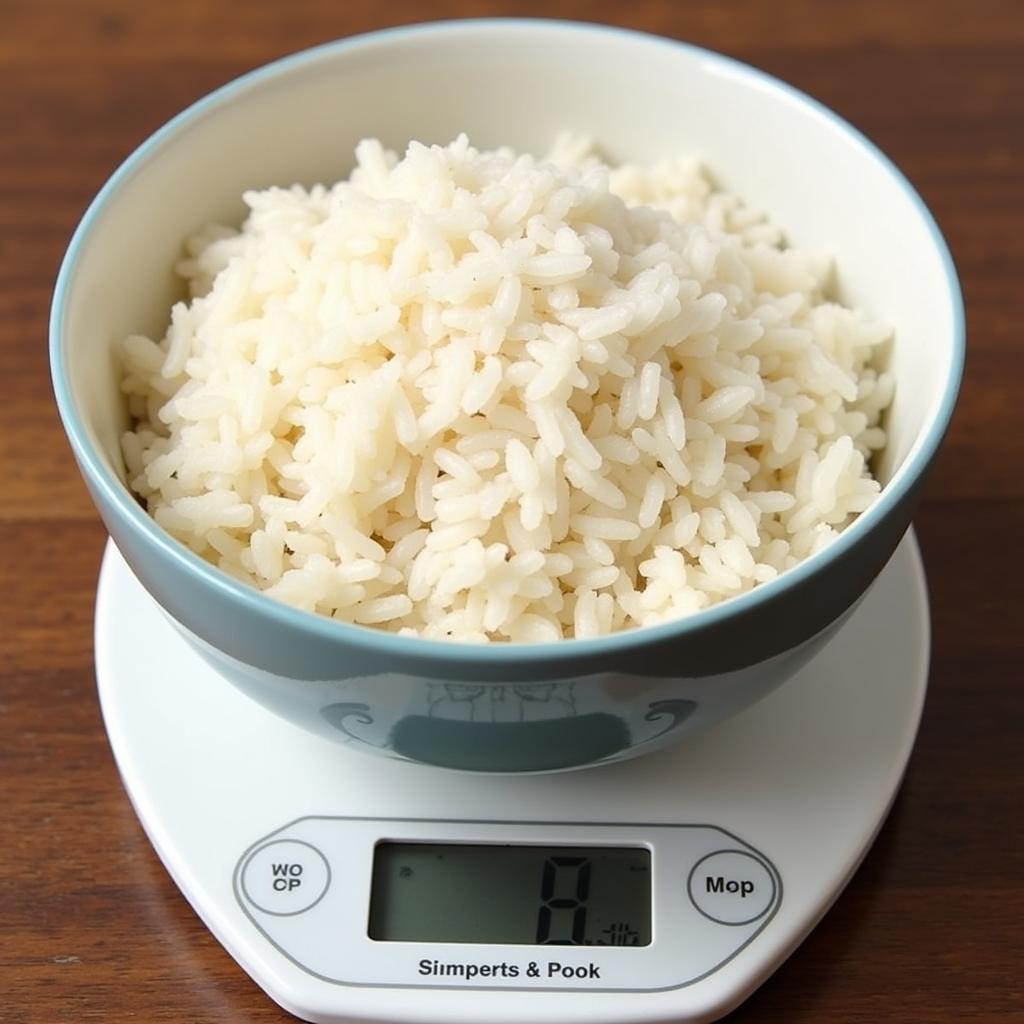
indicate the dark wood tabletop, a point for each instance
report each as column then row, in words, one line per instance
column 930, row 929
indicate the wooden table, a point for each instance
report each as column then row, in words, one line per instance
column 91, row 928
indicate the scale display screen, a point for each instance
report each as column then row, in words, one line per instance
column 510, row 894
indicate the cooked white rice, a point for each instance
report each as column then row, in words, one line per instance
column 476, row 396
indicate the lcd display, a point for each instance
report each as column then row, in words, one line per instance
column 508, row 894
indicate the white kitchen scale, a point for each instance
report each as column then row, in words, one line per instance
column 352, row 888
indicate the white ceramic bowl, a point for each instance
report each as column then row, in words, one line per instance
column 514, row 83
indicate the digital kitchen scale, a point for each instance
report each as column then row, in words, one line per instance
column 352, row 888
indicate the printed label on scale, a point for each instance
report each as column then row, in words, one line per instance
column 548, row 970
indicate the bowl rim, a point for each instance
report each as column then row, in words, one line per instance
column 249, row 599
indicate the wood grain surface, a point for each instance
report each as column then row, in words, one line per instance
column 92, row 929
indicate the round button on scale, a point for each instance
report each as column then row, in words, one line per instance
column 285, row 877
column 732, row 887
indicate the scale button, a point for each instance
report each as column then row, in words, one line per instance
column 732, row 887
column 285, row 877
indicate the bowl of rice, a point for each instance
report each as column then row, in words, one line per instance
column 506, row 395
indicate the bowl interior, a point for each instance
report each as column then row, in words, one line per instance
column 516, row 84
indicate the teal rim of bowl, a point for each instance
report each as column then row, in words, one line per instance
column 255, row 601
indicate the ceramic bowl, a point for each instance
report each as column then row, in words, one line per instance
column 508, row 707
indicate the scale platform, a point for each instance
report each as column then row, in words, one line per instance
column 353, row 888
